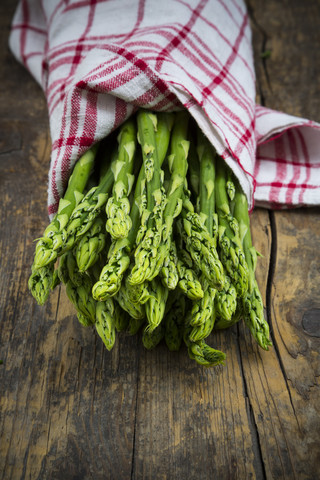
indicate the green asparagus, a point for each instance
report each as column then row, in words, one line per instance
column 252, row 301
column 105, row 324
column 118, row 205
column 41, row 282
column 177, row 264
column 231, row 251
column 156, row 304
column 201, row 247
column 147, row 263
column 174, row 319
column 88, row 250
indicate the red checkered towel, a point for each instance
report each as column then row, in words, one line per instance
column 100, row 60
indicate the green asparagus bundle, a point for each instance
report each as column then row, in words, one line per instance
column 252, row 301
column 159, row 245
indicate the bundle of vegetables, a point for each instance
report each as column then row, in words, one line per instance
column 153, row 235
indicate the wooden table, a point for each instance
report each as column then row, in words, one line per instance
column 71, row 410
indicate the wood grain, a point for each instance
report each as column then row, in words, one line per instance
column 71, row 410
column 287, row 77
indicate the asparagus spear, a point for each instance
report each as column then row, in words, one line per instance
column 231, row 251
column 90, row 246
column 129, row 313
column 146, row 254
column 105, row 324
column 118, row 205
column 138, row 292
column 82, row 299
column 188, row 280
column 151, row 338
column 169, row 270
column 206, row 155
column 51, row 242
column 164, row 126
column 78, row 288
column 231, row 189
column 135, row 324
column 174, row 318
column 222, row 323
column 201, row 246
column 200, row 332
column 226, row 300
column 203, row 314
column 178, row 167
column 112, row 273
column 205, row 355
column 203, row 309
column 69, row 270
column 194, row 169
column 252, row 301
column 40, row 282
column 147, row 126
column 200, row 351
column 135, row 310
column 121, row 317
column 119, row 253
column 155, row 306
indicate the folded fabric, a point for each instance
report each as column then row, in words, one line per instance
column 99, row 60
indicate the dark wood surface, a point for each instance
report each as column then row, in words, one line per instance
column 71, row 410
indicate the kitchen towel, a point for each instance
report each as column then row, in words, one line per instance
column 98, row 61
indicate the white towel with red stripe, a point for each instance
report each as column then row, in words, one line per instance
column 98, row 61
